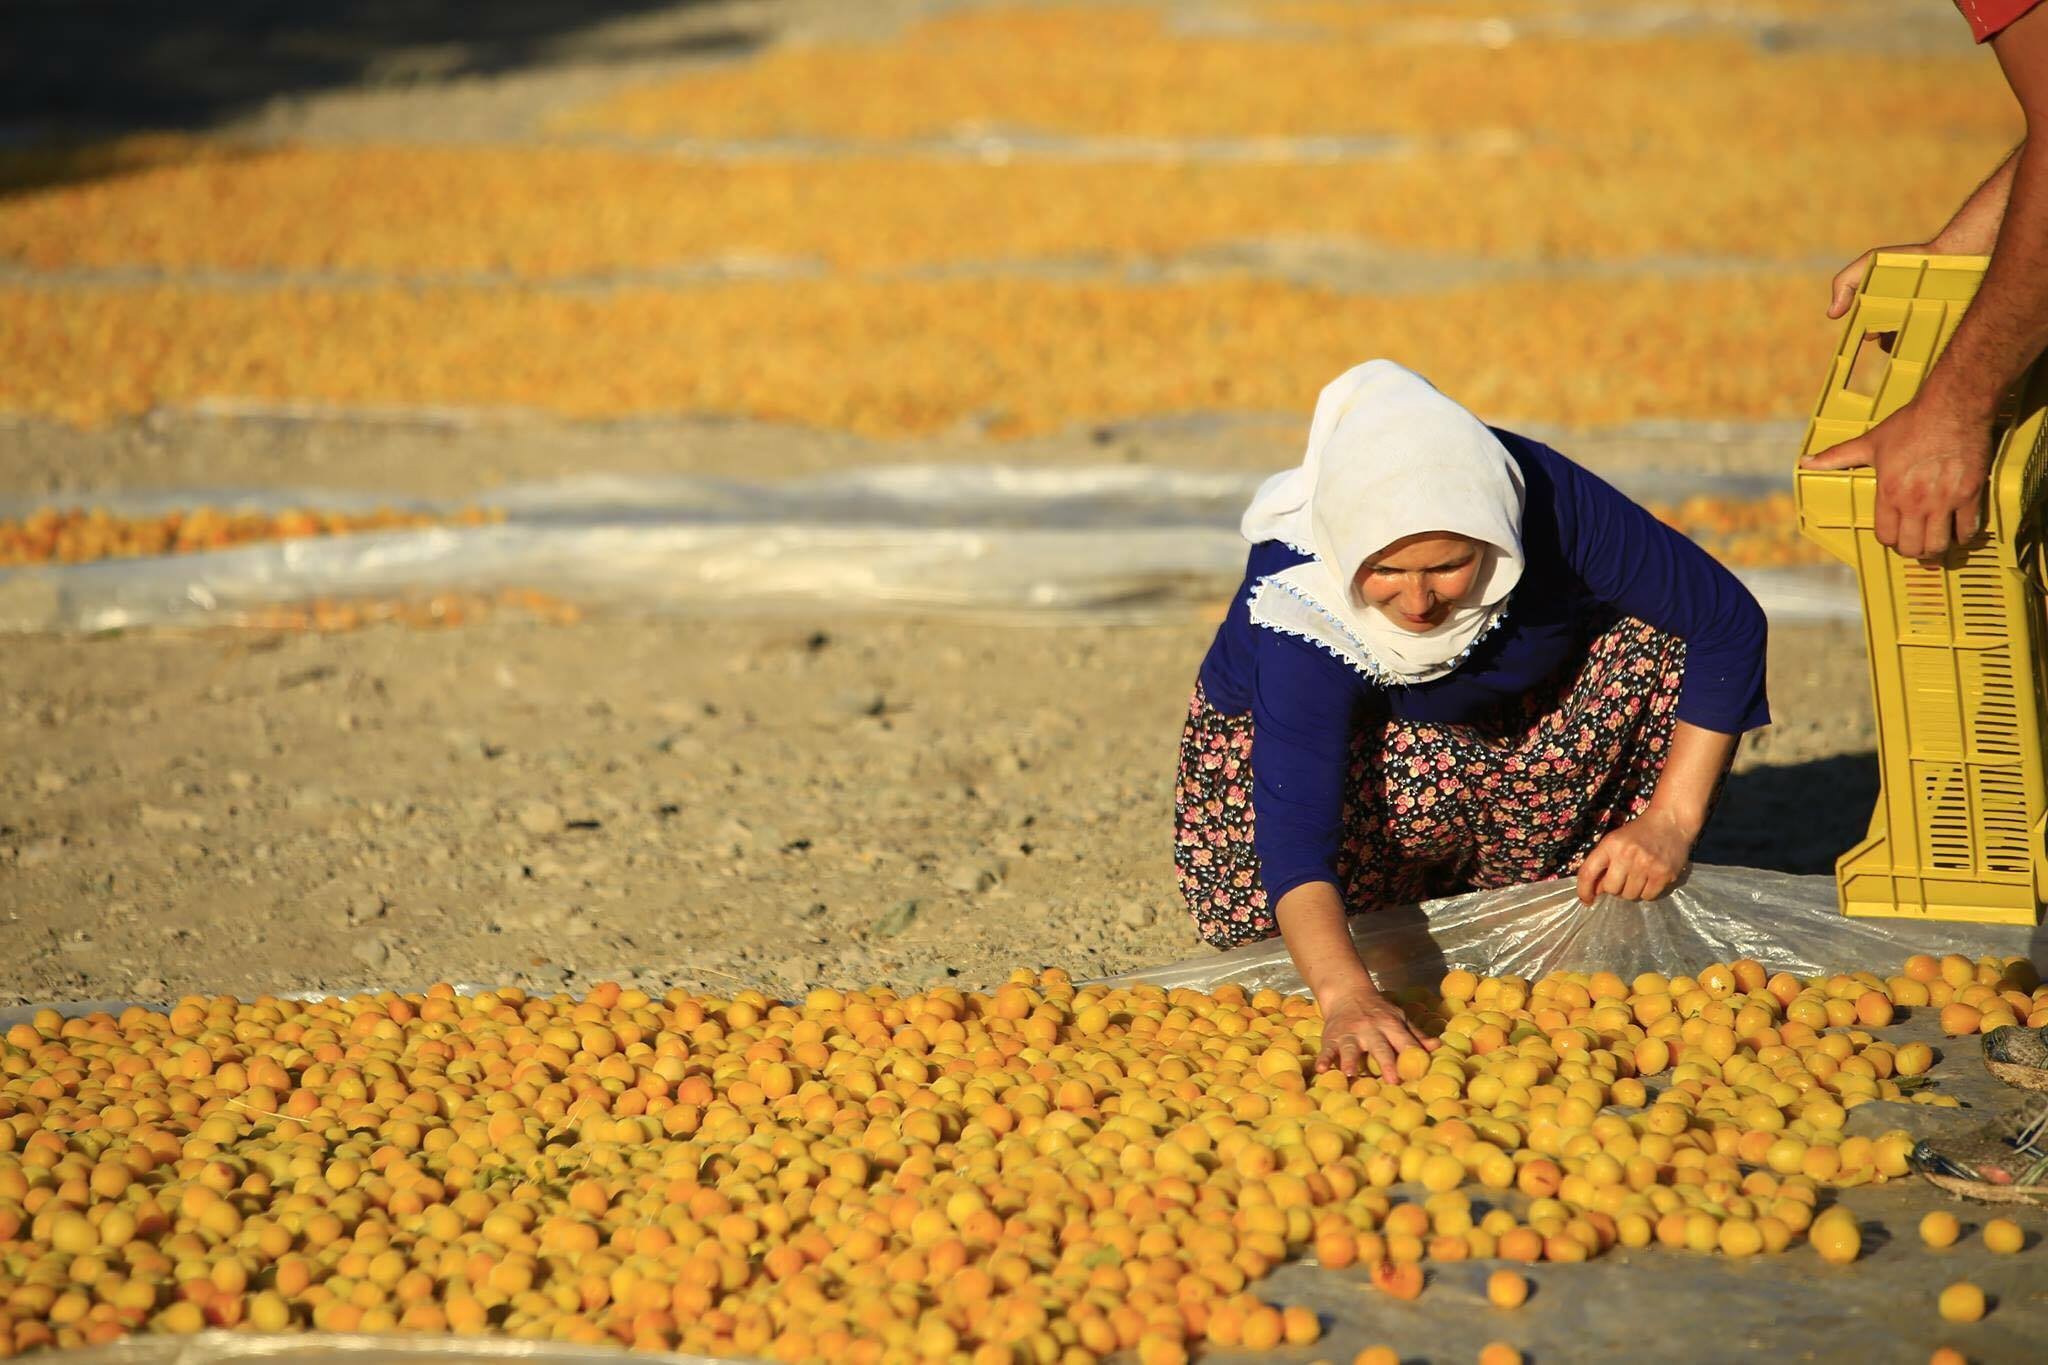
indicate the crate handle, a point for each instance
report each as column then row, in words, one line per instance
column 1872, row 365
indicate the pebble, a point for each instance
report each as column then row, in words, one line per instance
column 860, row 701
column 165, row 820
column 39, row 851
column 373, row 951
column 49, row 781
column 971, row 878
column 310, row 798
column 1135, row 915
column 541, row 818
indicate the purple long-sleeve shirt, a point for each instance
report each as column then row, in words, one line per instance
column 1589, row 554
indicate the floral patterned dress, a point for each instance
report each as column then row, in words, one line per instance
column 1435, row 809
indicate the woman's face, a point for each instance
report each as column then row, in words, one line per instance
column 1418, row 579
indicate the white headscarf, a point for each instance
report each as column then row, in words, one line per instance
column 1388, row 456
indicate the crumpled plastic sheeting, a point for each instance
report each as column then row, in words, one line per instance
column 338, row 1348
column 989, row 540
column 1785, row 922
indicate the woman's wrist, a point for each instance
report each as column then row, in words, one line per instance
column 1343, row 982
column 1688, row 817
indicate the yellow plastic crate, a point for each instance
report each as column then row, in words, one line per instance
column 1957, row 652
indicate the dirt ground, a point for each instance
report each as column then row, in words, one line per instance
column 775, row 802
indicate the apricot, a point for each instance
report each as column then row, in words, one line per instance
column 1506, row 1289
column 1958, row 1019
column 2004, row 1236
column 1836, row 1236
column 1961, row 1302
column 1403, row 1280
column 1939, row 1228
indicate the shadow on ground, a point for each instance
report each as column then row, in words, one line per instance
column 81, row 69
column 1795, row 817
column 1800, row 817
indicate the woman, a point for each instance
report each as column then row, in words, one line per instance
column 1458, row 661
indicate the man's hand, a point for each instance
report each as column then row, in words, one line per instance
column 1931, row 462
column 1638, row 862
column 1850, row 277
column 1362, row 1023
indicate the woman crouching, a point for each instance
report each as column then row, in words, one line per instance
column 1458, row 661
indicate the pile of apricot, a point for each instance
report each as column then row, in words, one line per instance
column 1041, row 1173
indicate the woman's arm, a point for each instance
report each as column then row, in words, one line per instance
column 1357, row 1020
column 1645, row 857
column 1305, row 705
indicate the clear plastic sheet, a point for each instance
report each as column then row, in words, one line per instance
column 991, row 540
column 1787, row 923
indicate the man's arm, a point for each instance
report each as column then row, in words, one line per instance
column 2006, row 326
column 1933, row 455
column 1971, row 232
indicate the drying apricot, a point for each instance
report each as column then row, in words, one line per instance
column 1836, row 1236
column 1962, row 1302
column 1939, row 1228
column 1403, row 1280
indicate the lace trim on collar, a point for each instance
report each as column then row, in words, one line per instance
column 1364, row 661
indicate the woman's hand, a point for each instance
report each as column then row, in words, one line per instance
column 1640, row 861
column 1362, row 1022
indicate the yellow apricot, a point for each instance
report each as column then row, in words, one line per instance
column 1961, row 1302
column 2004, row 1236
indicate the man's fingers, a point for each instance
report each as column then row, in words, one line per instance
column 1843, row 290
column 1936, row 534
column 1884, row 523
column 1967, row 518
column 1844, row 295
column 1848, row 455
column 1912, row 538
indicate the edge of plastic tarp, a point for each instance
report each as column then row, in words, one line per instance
column 991, row 540
column 362, row 1348
column 1785, row 922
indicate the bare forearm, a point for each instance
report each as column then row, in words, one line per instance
column 2007, row 323
column 1974, row 229
column 1313, row 926
column 1691, row 772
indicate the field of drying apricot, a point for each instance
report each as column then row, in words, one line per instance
column 1036, row 1173
column 760, row 1075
